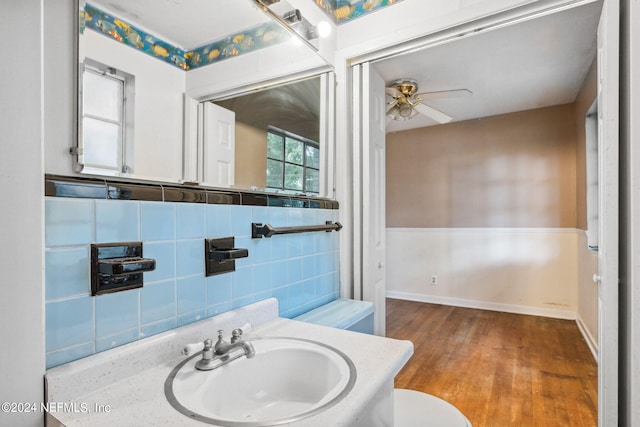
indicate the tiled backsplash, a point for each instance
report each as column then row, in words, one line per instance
column 301, row 270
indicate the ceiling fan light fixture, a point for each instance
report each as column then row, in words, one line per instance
column 401, row 112
column 393, row 112
column 408, row 103
column 405, row 111
column 406, row 87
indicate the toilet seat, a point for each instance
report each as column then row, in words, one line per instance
column 416, row 409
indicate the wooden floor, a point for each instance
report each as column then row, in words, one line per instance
column 499, row 369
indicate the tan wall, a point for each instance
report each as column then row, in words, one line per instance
column 585, row 98
column 251, row 157
column 512, row 170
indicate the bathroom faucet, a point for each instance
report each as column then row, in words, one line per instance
column 221, row 353
column 222, row 347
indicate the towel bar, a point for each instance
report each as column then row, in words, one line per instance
column 258, row 230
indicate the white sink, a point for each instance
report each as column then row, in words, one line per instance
column 287, row 380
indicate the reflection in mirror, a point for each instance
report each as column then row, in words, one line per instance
column 149, row 60
column 106, row 105
column 277, row 137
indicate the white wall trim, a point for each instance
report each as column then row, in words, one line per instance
column 484, row 305
column 590, row 340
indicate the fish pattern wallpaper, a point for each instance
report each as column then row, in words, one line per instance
column 344, row 10
column 264, row 35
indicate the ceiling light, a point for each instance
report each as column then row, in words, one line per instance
column 324, row 29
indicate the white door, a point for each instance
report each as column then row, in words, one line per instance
column 218, row 147
column 373, row 221
column 608, row 127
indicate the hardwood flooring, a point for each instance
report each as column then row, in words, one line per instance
column 499, row 369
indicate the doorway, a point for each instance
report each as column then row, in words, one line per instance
column 607, row 261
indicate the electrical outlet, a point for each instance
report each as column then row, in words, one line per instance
column 434, row 280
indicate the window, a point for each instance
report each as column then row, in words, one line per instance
column 293, row 162
column 107, row 111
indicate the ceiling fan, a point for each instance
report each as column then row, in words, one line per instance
column 407, row 103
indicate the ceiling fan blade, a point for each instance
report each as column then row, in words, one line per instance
column 392, row 91
column 457, row 93
column 436, row 115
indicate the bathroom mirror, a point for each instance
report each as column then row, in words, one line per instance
column 280, row 138
column 144, row 64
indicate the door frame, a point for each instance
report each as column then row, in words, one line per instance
column 369, row 114
column 352, row 247
column 608, row 211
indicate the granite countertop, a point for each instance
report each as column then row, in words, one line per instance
column 123, row 387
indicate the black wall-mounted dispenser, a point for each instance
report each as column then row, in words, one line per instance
column 220, row 255
column 118, row 267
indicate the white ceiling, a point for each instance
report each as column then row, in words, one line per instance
column 534, row 64
column 187, row 23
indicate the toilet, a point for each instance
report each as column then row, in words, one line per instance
column 416, row 409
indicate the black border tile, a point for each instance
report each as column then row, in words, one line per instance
column 250, row 199
column 126, row 191
column 187, row 195
column 62, row 186
column 215, row 197
column 123, row 189
column 279, row 201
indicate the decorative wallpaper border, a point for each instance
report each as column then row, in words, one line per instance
column 113, row 189
column 342, row 11
column 259, row 37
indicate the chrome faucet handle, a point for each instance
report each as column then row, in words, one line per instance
column 204, row 364
column 207, row 352
column 235, row 335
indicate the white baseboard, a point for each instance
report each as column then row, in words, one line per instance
column 485, row 305
column 591, row 342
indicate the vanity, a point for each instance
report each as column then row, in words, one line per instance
column 128, row 385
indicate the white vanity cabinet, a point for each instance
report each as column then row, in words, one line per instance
column 125, row 386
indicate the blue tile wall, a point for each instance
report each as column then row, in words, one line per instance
column 301, row 270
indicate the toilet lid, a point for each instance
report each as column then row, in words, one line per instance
column 416, row 409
